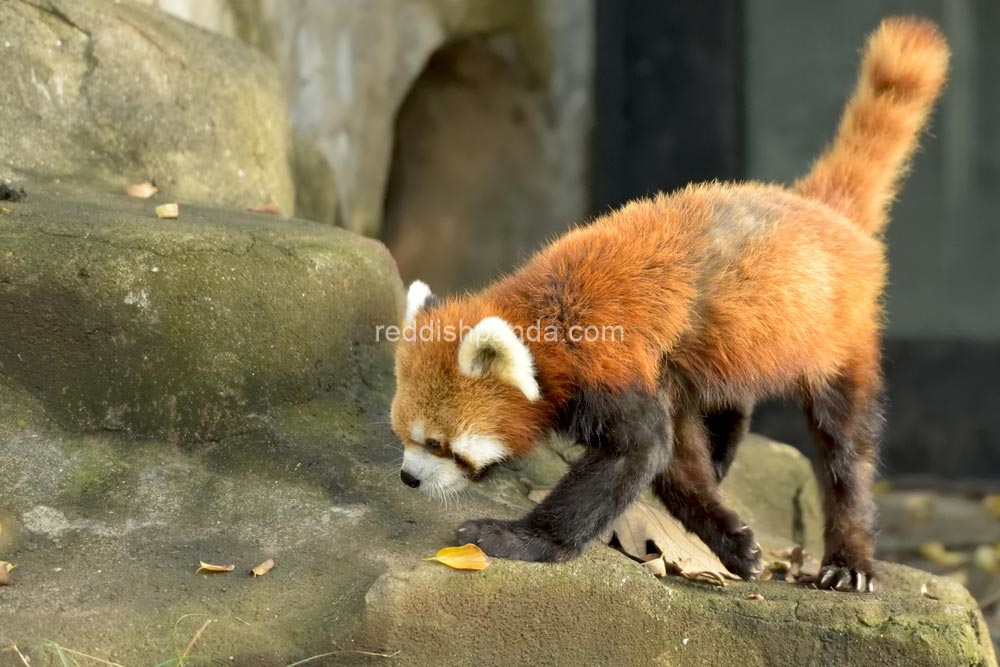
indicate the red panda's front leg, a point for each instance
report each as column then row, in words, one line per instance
column 628, row 435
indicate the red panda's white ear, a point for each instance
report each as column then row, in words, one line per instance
column 418, row 294
column 493, row 349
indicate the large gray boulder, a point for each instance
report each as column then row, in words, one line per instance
column 120, row 93
column 183, row 329
column 107, row 535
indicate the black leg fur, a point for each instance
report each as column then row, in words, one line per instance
column 845, row 419
column 726, row 429
column 688, row 489
column 628, row 436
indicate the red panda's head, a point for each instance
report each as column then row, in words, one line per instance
column 466, row 393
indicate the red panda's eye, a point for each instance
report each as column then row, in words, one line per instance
column 433, row 444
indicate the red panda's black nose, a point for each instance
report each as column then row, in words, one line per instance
column 409, row 479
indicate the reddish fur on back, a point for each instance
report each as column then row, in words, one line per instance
column 902, row 74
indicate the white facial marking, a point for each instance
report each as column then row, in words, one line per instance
column 416, row 297
column 479, row 450
column 439, row 476
column 417, row 431
column 493, row 349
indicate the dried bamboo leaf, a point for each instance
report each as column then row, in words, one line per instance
column 208, row 567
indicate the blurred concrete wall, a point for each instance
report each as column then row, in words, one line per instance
column 944, row 240
column 348, row 66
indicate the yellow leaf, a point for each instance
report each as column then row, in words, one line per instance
column 170, row 211
column 986, row 559
column 938, row 554
column 141, row 190
column 208, row 567
column 466, row 557
column 263, row 568
column 991, row 504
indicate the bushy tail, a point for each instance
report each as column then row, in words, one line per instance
column 902, row 73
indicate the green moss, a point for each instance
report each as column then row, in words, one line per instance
column 185, row 330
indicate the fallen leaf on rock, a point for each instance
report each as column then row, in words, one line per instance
column 263, row 568
column 465, row 557
column 655, row 566
column 208, row 567
column 271, row 208
column 919, row 507
column 938, row 554
column 755, row 596
column 5, row 569
column 141, row 190
column 926, row 594
column 986, row 559
column 991, row 504
column 681, row 553
column 168, row 211
column 644, row 523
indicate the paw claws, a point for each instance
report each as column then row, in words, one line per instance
column 846, row 580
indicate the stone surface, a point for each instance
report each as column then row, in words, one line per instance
column 183, row 329
column 107, row 535
column 470, row 190
column 121, row 93
column 348, row 66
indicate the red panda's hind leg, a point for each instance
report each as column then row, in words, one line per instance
column 627, row 435
column 845, row 418
column 689, row 490
column 726, row 429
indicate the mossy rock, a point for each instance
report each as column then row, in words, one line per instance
column 121, row 93
column 112, row 573
column 183, row 329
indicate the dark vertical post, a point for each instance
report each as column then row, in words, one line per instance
column 670, row 103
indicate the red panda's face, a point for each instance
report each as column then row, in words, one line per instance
column 461, row 405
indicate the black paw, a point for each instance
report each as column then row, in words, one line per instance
column 741, row 554
column 511, row 539
column 846, row 579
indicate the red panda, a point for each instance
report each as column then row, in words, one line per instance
column 715, row 296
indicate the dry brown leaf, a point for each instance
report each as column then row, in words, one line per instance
column 263, row 568
column 168, row 211
column 465, row 557
column 141, row 190
column 926, row 594
column 938, row 554
column 679, row 551
column 643, row 523
column 5, row 569
column 755, row 596
column 208, row 567
column 655, row 566
column 271, row 208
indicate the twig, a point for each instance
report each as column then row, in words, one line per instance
column 90, row 657
column 331, row 653
column 187, row 649
column 13, row 647
column 139, row 29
